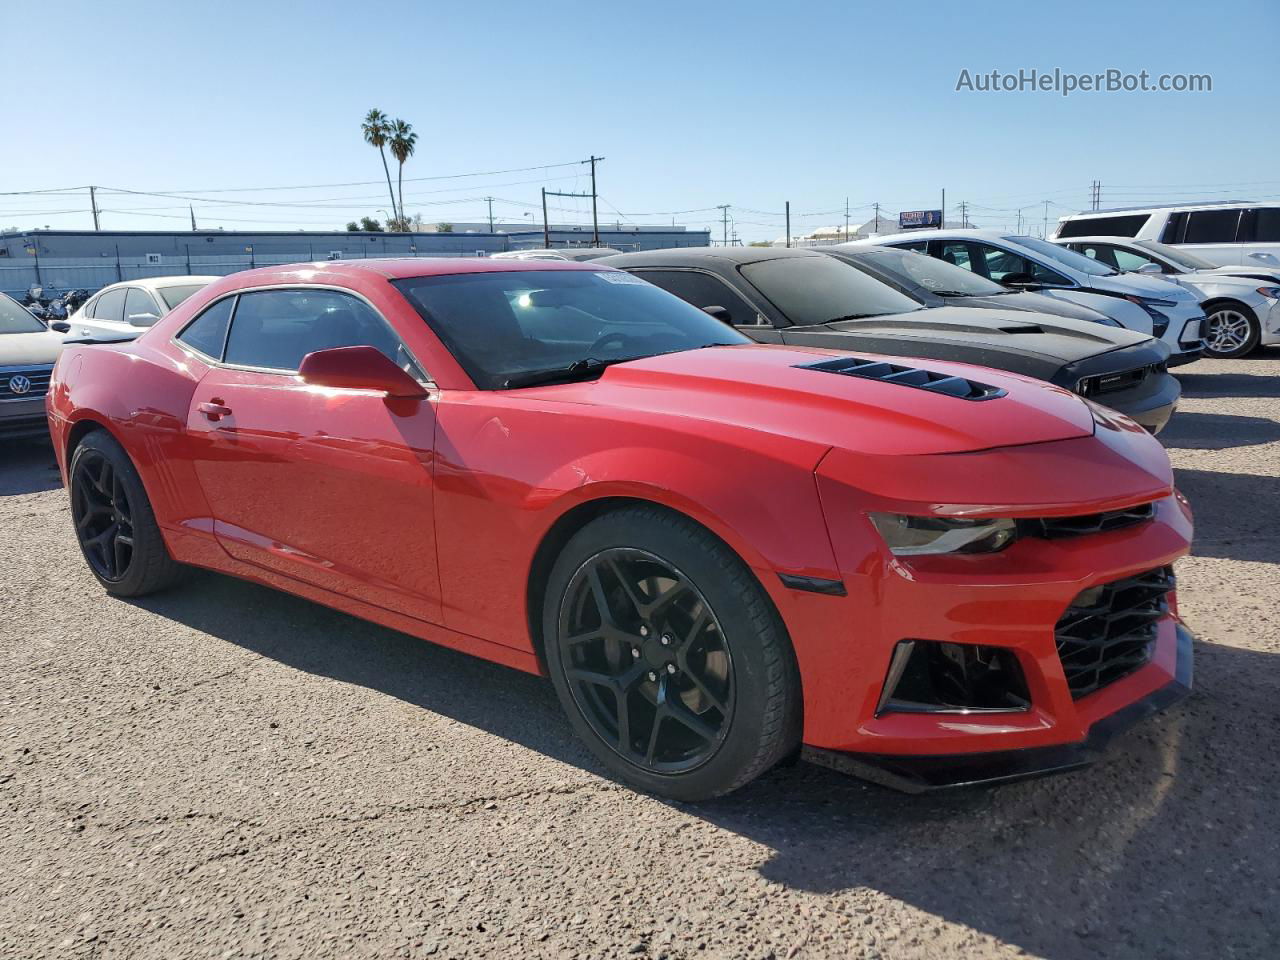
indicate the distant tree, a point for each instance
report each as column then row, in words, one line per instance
column 444, row 228
column 375, row 129
column 370, row 225
column 352, row 226
column 402, row 143
column 761, row 243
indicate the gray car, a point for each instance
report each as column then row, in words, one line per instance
column 28, row 352
column 808, row 298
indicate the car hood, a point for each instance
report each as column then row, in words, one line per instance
column 773, row 389
column 1199, row 280
column 1019, row 300
column 37, row 347
column 1139, row 285
column 1060, row 339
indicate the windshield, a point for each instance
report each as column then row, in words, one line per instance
column 936, row 276
column 818, row 289
column 1076, row 261
column 503, row 325
column 15, row 318
column 175, row 295
column 1181, row 258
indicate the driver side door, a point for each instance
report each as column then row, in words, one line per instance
column 333, row 487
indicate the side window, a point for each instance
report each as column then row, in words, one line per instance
column 275, row 329
column 1005, row 263
column 208, row 332
column 704, row 290
column 110, row 306
column 921, row 246
column 955, row 251
column 1266, row 225
column 140, row 309
column 1212, row 226
column 1101, row 253
column 1174, row 228
column 1128, row 261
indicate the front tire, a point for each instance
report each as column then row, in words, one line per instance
column 668, row 656
column 1232, row 331
column 114, row 522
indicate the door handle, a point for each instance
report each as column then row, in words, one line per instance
column 214, row 409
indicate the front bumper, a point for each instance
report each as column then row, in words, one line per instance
column 923, row 774
column 23, row 418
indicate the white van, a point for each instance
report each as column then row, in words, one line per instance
column 1239, row 233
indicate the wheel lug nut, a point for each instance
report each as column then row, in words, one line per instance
column 653, row 676
column 644, row 631
column 666, row 640
column 635, row 653
column 671, row 668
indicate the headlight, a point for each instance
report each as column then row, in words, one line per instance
column 916, row 536
column 1272, row 292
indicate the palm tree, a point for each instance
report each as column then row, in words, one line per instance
column 403, row 141
column 376, row 127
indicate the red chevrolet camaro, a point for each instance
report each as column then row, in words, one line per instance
column 723, row 554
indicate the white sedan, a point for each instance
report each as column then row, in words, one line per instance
column 1242, row 304
column 123, row 310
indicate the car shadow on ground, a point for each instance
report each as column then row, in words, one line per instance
column 1217, row 431
column 1228, row 385
column 1113, row 860
column 27, row 466
column 1234, row 514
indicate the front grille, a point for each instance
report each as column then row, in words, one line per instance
column 1052, row 528
column 1112, row 382
column 37, row 377
column 1109, row 631
column 943, row 383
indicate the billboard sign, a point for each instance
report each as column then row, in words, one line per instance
column 911, row 219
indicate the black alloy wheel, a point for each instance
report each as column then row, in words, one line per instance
column 114, row 522
column 103, row 516
column 646, row 660
column 668, row 656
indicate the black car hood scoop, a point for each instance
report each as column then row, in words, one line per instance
column 944, row 383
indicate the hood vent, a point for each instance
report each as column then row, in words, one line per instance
column 909, row 377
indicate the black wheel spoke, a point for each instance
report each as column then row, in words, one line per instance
column 646, row 661
column 101, row 514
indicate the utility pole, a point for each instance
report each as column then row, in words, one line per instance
column 546, row 230
column 490, row 199
column 193, row 222
column 595, row 220
column 788, row 223
column 964, row 214
column 1095, row 194
column 877, row 226
column 93, row 202
column 724, row 220
column 942, row 217
column 1045, row 234
column 846, row 219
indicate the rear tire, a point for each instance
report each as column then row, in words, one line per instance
column 114, row 522
column 1231, row 331
column 687, row 686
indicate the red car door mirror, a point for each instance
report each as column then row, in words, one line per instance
column 358, row 368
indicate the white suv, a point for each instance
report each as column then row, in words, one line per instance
column 1228, row 234
column 1149, row 305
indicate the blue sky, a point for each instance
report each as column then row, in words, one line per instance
column 692, row 105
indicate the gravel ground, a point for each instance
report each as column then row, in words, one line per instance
column 226, row 771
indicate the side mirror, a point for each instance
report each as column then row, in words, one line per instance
column 1019, row 281
column 60, row 326
column 1150, row 268
column 358, row 368
column 1264, row 257
column 720, row 313
column 142, row 319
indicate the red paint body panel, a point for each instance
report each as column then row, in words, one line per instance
column 425, row 514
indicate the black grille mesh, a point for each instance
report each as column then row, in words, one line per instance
column 1109, row 631
column 943, row 383
column 1054, row 527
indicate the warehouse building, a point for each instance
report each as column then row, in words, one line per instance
column 59, row 260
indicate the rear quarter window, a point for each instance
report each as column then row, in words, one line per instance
column 1125, row 226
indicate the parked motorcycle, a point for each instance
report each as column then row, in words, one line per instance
column 36, row 303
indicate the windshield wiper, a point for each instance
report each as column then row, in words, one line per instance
column 865, row 316
column 583, row 369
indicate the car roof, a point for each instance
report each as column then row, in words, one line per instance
column 157, row 283
column 396, row 268
column 693, row 256
column 957, row 233
column 1151, row 208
